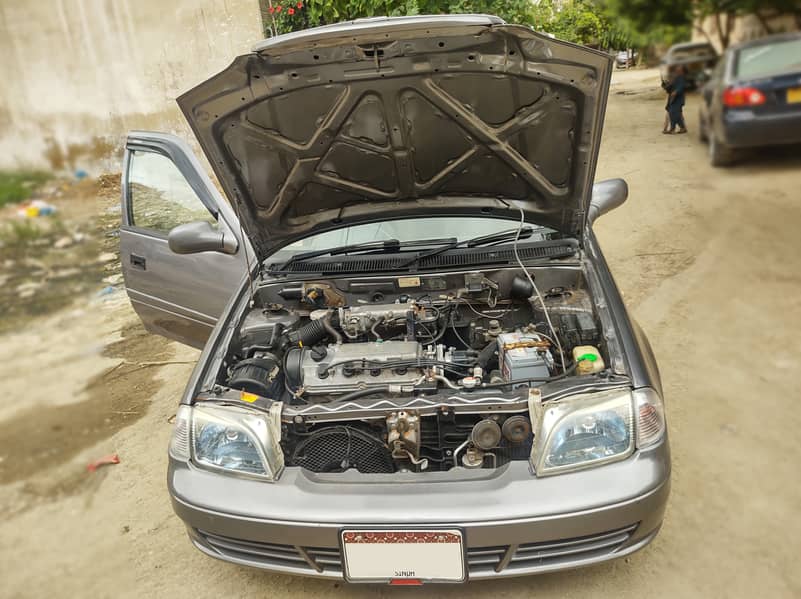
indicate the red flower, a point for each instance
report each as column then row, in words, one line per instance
column 271, row 9
column 278, row 8
column 300, row 4
column 291, row 11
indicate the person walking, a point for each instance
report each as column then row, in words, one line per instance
column 675, row 105
column 667, row 85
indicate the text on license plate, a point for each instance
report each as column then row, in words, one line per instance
column 385, row 555
column 794, row 95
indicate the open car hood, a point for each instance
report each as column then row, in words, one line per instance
column 385, row 118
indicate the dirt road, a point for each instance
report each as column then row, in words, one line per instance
column 710, row 264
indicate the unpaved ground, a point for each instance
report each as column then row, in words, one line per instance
column 710, row 264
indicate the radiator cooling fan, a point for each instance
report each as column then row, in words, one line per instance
column 337, row 448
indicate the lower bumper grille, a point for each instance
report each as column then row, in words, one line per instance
column 547, row 554
column 313, row 559
column 485, row 560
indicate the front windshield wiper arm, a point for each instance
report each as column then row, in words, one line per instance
column 493, row 238
column 386, row 246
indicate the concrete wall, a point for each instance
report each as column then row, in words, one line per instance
column 746, row 27
column 77, row 74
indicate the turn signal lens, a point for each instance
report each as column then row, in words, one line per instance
column 650, row 417
column 739, row 97
column 179, row 443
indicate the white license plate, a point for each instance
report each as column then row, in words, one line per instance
column 412, row 555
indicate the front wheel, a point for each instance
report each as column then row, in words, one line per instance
column 719, row 155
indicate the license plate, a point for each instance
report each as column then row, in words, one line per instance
column 397, row 555
column 794, row 95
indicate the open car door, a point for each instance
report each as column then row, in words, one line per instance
column 170, row 205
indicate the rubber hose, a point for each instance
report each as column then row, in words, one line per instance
column 330, row 328
column 486, row 355
column 309, row 334
column 362, row 393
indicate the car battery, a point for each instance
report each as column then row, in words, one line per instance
column 524, row 356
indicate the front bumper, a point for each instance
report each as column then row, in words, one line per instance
column 513, row 522
column 746, row 129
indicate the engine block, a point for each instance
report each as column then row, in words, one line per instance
column 341, row 369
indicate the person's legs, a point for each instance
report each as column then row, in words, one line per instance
column 667, row 122
column 674, row 117
column 680, row 119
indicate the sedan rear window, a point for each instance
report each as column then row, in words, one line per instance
column 703, row 51
column 761, row 61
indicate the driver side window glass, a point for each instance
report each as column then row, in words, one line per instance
column 160, row 196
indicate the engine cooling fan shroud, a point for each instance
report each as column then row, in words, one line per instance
column 338, row 448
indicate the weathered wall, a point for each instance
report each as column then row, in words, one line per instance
column 77, row 74
column 745, row 27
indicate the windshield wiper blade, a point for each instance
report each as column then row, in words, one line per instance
column 385, row 246
column 509, row 235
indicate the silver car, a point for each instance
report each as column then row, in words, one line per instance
column 417, row 367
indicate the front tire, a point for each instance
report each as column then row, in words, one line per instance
column 719, row 155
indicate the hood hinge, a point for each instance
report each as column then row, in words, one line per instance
column 577, row 221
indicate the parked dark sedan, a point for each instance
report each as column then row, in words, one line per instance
column 753, row 98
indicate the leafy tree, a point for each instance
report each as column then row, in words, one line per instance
column 279, row 16
column 511, row 11
column 764, row 10
column 572, row 20
column 604, row 23
column 575, row 21
column 323, row 12
column 645, row 14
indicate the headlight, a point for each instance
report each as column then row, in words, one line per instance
column 231, row 439
column 585, row 431
column 590, row 430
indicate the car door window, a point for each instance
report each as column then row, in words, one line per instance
column 160, row 198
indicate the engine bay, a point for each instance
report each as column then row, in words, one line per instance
column 413, row 373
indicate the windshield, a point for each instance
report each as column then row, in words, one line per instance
column 411, row 229
column 766, row 60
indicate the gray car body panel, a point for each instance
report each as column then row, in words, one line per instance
column 505, row 508
column 178, row 296
column 494, row 508
column 377, row 119
column 501, row 494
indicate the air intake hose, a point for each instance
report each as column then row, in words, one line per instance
column 309, row 334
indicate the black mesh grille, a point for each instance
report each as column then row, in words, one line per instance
column 337, row 448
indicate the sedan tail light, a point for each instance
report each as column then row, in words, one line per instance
column 738, row 97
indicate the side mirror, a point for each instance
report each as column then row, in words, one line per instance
column 200, row 236
column 606, row 196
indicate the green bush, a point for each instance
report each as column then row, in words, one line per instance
column 17, row 186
